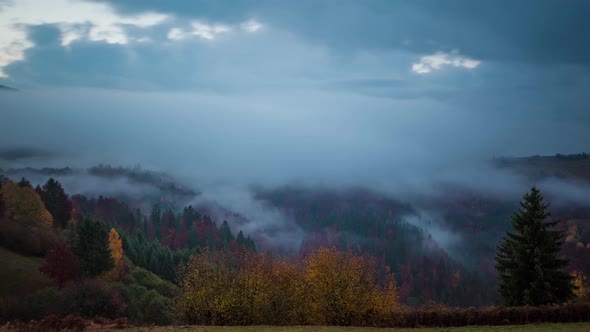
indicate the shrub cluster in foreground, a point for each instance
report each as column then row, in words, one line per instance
column 327, row 287
column 69, row 323
column 429, row 316
column 141, row 297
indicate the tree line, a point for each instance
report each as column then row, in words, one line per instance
column 223, row 280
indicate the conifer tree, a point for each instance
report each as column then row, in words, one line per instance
column 225, row 233
column 92, row 248
column 529, row 268
column 24, row 183
column 241, row 239
column 1, row 201
column 156, row 220
column 57, row 202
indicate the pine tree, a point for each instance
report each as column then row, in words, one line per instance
column 57, row 202
column 156, row 220
column 225, row 233
column 1, row 201
column 529, row 269
column 241, row 239
column 92, row 248
column 25, row 183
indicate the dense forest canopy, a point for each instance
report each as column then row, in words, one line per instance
column 426, row 251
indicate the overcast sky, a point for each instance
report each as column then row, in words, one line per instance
column 336, row 91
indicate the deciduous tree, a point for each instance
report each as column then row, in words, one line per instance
column 116, row 246
column 61, row 264
column 23, row 204
column 581, row 285
column 343, row 287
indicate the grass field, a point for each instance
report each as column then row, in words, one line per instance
column 20, row 274
column 573, row 327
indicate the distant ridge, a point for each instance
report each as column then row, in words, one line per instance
column 563, row 166
column 7, row 88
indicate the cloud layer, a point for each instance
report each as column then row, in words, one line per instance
column 83, row 20
column 437, row 61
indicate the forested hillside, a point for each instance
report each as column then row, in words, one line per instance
column 104, row 258
column 444, row 257
column 438, row 257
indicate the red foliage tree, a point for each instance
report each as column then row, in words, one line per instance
column 61, row 264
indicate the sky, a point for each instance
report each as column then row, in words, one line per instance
column 392, row 95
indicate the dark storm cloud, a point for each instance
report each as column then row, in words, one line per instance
column 541, row 31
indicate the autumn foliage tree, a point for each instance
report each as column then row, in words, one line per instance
column 344, row 289
column 23, row 204
column 116, row 246
column 216, row 290
column 244, row 287
column 61, row 264
column 581, row 285
column 120, row 268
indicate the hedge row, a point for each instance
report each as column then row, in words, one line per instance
column 69, row 323
column 441, row 316
column 431, row 316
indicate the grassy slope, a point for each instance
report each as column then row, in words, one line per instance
column 20, row 274
column 574, row 327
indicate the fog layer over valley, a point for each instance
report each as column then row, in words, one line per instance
column 315, row 138
column 222, row 145
column 300, row 169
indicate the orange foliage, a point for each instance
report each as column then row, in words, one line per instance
column 116, row 246
column 581, row 285
column 121, row 269
column 343, row 288
column 244, row 288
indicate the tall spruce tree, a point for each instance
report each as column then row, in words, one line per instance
column 529, row 268
column 1, row 201
column 57, row 202
column 92, row 248
column 156, row 220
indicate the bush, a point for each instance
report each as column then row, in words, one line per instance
column 328, row 287
column 157, row 308
column 146, row 306
column 46, row 301
column 93, row 298
column 151, row 281
column 442, row 316
column 27, row 238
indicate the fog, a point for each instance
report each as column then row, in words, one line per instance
column 223, row 144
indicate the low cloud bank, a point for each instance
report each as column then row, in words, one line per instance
column 221, row 145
